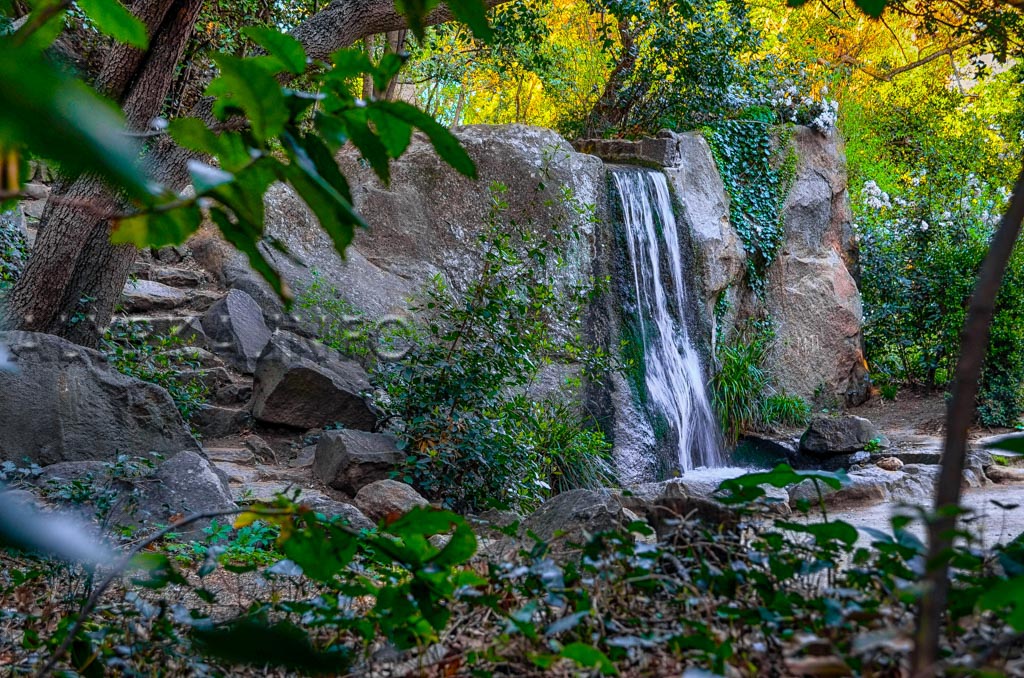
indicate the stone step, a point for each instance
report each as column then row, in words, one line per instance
column 177, row 277
column 188, row 328
column 234, row 455
column 148, row 295
column 217, row 421
column 240, row 473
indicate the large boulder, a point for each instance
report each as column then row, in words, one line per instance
column 812, row 293
column 185, row 484
column 827, row 436
column 577, row 514
column 237, row 330
column 63, row 402
column 291, row 389
column 913, row 484
column 348, row 460
column 384, row 498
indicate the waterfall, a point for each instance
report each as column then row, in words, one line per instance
column 672, row 370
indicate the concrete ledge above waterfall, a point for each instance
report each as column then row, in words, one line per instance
column 660, row 151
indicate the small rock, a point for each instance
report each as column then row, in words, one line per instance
column 347, row 460
column 146, row 295
column 177, row 277
column 305, row 457
column 237, row 330
column 260, row 448
column 235, row 455
column 383, row 498
column 827, row 436
column 889, row 464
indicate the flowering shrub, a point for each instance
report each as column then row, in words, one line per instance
column 921, row 249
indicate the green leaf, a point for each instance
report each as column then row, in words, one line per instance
column 332, row 208
column 873, row 8
column 112, row 18
column 158, row 229
column 286, row 49
column 395, row 134
column 246, row 85
column 823, row 533
column 1011, row 442
column 459, row 549
column 247, row 242
column 589, row 657
column 473, row 13
column 192, row 133
column 60, row 118
column 349, row 63
column 444, row 142
column 783, row 475
column 415, row 12
column 1007, row 599
column 369, row 144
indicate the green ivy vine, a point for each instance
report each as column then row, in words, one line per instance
column 757, row 165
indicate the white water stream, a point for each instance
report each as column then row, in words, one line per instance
column 673, row 375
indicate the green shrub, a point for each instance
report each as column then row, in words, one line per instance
column 340, row 324
column 461, row 398
column 161, row 359
column 13, row 251
column 741, row 390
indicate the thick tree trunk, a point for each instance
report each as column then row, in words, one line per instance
column 609, row 111
column 74, row 277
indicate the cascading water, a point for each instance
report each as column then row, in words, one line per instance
column 673, row 376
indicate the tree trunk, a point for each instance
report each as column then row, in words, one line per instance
column 74, row 276
column 608, row 111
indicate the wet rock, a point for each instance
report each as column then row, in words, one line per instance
column 384, row 498
column 1005, row 474
column 290, row 390
column 237, row 330
column 913, row 484
column 140, row 296
column 347, row 460
column 827, row 436
column 63, row 402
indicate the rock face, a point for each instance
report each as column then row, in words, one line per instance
column 293, row 390
column 348, row 460
column 382, row 498
column 828, row 436
column 237, row 330
column 63, row 402
column 701, row 193
column 812, row 290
